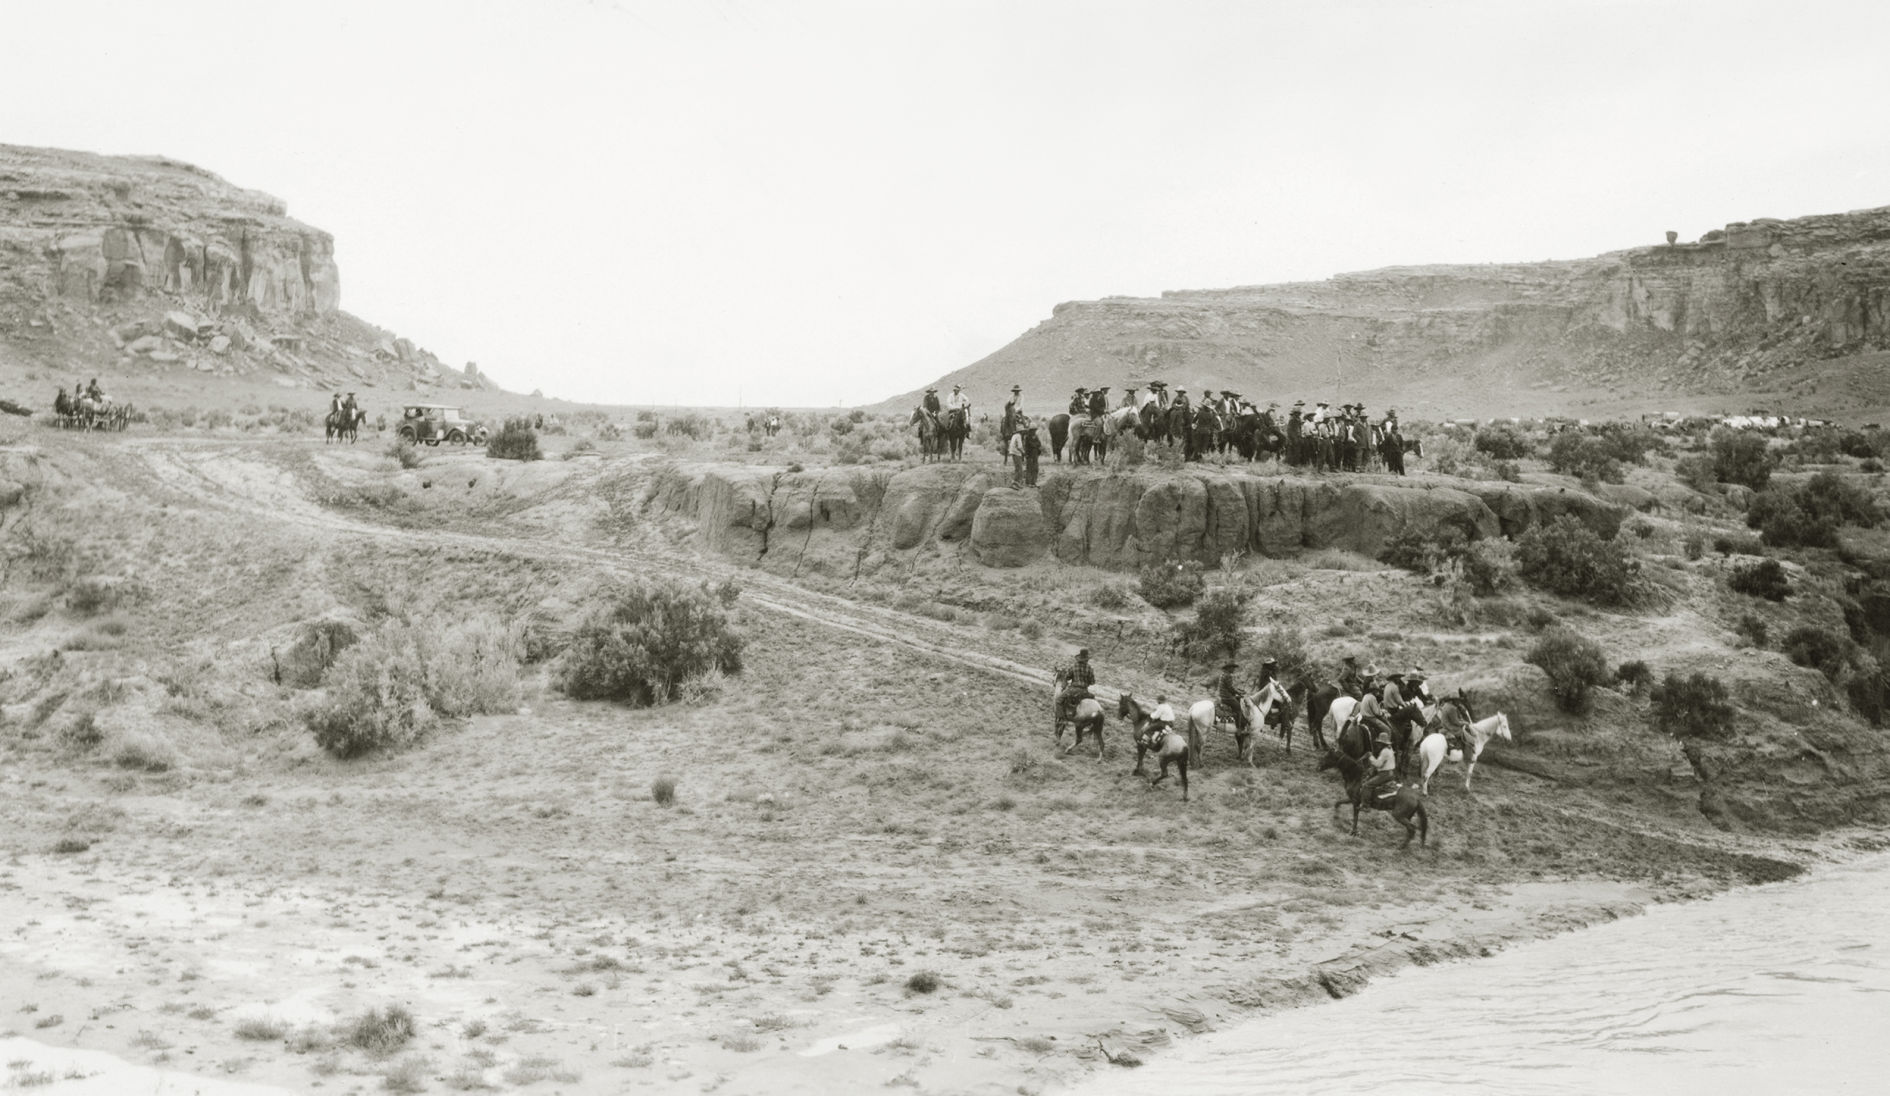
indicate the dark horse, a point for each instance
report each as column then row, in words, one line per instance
column 953, row 429
column 1404, row 805
column 1172, row 749
column 1318, row 703
column 341, row 424
column 1059, row 435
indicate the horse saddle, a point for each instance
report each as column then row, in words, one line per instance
column 1389, row 791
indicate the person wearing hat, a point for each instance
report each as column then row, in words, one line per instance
column 1079, row 399
column 1296, row 434
column 1007, row 425
column 1381, row 767
column 930, row 404
column 1393, row 444
column 959, row 401
column 1077, row 676
column 1227, row 706
column 1099, row 402
column 1269, row 672
column 1015, row 451
column 1128, row 398
column 1371, row 710
column 1350, row 681
column 1153, row 394
column 1033, row 448
column 1181, row 423
column 1268, row 434
column 1160, row 722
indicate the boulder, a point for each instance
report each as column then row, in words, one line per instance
column 165, row 356
column 144, row 344
column 1009, row 529
column 918, row 497
column 220, row 344
column 1367, row 516
column 180, row 325
column 11, row 493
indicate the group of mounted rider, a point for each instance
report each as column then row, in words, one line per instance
column 1320, row 438
column 87, row 407
column 1377, row 720
column 344, row 417
column 943, row 424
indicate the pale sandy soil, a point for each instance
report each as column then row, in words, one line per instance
column 873, row 801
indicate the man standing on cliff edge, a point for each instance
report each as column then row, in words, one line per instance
column 1008, row 424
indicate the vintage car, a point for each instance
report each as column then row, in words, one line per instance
column 433, row 423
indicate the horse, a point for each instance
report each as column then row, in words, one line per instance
column 1154, row 421
column 1404, row 804
column 928, row 433
column 1435, row 747
column 1173, row 749
column 1318, row 702
column 340, row 423
column 954, row 431
column 1059, row 435
column 1087, row 715
column 1257, row 712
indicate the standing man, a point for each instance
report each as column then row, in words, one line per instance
column 1016, row 451
column 1008, row 424
column 1033, row 448
column 1295, row 427
column 1180, row 413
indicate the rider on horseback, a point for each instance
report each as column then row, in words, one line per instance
column 1382, row 763
column 1160, row 722
column 1227, row 706
column 1371, row 710
column 1349, row 681
column 1078, row 401
column 1269, row 671
column 1077, row 677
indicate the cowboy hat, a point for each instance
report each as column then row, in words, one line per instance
column 1017, row 388
column 1371, row 671
column 1082, row 652
column 1353, row 659
column 1414, row 672
column 956, row 387
column 1269, row 662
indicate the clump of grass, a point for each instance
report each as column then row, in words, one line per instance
column 380, row 1031
column 261, row 1030
column 663, row 791
column 67, row 846
column 924, row 981
column 406, row 1075
column 741, row 1043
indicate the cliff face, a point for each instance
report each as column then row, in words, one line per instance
column 127, row 263
column 847, row 522
column 1727, row 314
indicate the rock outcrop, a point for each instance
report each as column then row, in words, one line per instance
column 1712, row 318
column 116, row 263
column 847, row 522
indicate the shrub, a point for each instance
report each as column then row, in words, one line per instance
column 1574, row 663
column 1854, row 444
column 689, row 425
column 91, row 595
column 1421, row 550
column 1810, row 514
column 1218, row 627
column 1633, row 676
column 649, row 638
column 1587, row 458
column 1172, row 584
column 645, row 430
column 516, row 440
column 1630, row 443
column 1871, row 464
column 380, row 1030
column 646, row 416
column 1502, row 442
column 1109, row 596
column 1811, row 646
column 1695, row 706
column 1566, row 557
column 1694, row 546
column 1697, row 472
column 923, row 982
column 1489, row 566
column 1753, row 629
column 1740, row 457
column 1869, row 693
column 390, row 687
column 1764, row 579
column 663, row 791
column 404, row 453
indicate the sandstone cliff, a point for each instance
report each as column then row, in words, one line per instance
column 114, row 264
column 1735, row 312
column 847, row 522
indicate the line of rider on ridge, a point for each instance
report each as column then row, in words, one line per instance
column 1387, row 705
column 1322, row 438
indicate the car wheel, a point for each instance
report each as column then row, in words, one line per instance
column 457, row 438
column 406, row 434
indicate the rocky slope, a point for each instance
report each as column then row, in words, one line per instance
column 131, row 265
column 1732, row 316
column 846, row 522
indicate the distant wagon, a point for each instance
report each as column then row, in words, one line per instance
column 433, row 423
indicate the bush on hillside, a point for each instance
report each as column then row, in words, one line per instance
column 1753, row 630
column 1575, row 664
column 1809, row 515
column 1698, row 472
column 1764, row 579
column 1695, row 706
column 404, row 453
column 1633, row 676
column 1630, row 443
column 387, row 689
column 1504, row 442
column 689, row 425
column 516, row 440
column 1586, row 458
column 650, row 638
column 1423, row 550
column 1172, row 584
column 1219, row 627
column 1740, row 456
column 1568, row 558
column 1813, row 647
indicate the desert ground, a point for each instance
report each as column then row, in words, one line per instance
column 879, row 869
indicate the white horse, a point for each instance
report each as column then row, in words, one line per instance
column 1434, row 748
column 1272, row 695
column 1338, row 716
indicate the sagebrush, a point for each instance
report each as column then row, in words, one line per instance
column 648, row 638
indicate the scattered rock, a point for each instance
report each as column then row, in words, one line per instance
column 145, row 344
column 220, row 344
column 182, row 325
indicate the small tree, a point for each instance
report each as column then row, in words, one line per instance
column 1695, row 706
column 1764, row 579
column 1219, row 625
column 1574, row 663
column 1739, row 456
column 1568, row 558
column 1502, row 441
column 647, row 639
column 1172, row 584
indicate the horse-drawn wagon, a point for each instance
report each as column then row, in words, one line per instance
column 433, row 423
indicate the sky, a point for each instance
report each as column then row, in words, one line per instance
column 733, row 202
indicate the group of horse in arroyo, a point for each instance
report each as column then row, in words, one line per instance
column 90, row 409
column 1429, row 729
